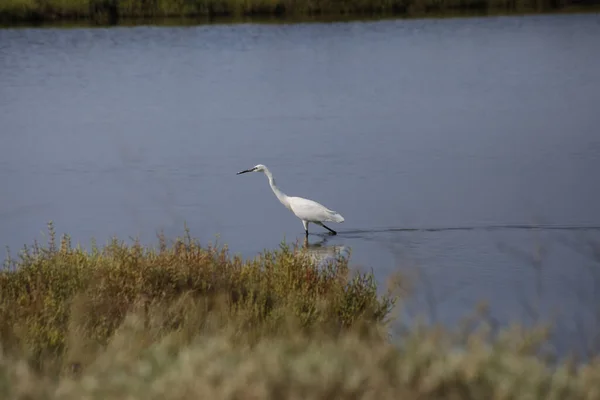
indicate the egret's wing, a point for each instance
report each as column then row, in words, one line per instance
column 310, row 210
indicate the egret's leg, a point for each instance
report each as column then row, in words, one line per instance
column 305, row 224
column 326, row 227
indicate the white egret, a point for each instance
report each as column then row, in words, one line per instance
column 307, row 210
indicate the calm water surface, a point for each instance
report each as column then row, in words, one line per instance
column 439, row 141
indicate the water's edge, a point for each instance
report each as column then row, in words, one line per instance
column 65, row 20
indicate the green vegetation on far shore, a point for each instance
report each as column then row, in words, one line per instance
column 184, row 321
column 113, row 11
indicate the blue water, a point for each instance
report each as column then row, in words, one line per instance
column 481, row 128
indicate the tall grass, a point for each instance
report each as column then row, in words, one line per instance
column 58, row 300
column 184, row 321
column 111, row 11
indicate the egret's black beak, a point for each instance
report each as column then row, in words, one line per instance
column 243, row 172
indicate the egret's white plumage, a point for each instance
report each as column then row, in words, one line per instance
column 305, row 209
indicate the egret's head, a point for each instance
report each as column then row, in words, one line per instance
column 256, row 168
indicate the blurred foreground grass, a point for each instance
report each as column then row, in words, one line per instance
column 186, row 322
column 112, row 11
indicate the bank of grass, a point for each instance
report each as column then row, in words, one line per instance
column 112, row 11
column 187, row 322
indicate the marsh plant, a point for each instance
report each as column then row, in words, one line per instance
column 55, row 294
column 185, row 321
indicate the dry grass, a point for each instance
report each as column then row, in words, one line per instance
column 187, row 322
column 295, row 367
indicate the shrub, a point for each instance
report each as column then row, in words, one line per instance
column 58, row 292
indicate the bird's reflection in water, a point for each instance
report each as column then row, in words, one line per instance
column 320, row 252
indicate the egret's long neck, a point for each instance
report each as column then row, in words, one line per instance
column 280, row 195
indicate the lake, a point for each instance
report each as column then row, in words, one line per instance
column 462, row 152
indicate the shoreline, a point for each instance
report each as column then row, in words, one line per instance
column 19, row 14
